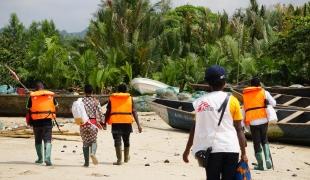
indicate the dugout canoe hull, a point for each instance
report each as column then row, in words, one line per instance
column 176, row 114
column 15, row 105
column 302, row 91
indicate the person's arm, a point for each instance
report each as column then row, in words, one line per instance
column 107, row 113
column 241, row 139
column 99, row 114
column 29, row 103
column 237, row 118
column 55, row 102
column 270, row 99
column 28, row 115
column 189, row 144
column 135, row 115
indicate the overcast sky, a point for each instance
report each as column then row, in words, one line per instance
column 74, row 15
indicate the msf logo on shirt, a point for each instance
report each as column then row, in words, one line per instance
column 204, row 106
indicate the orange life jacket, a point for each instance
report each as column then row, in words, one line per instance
column 121, row 108
column 254, row 102
column 42, row 105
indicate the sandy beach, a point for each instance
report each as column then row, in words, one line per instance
column 155, row 154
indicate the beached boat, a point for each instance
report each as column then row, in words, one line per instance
column 293, row 126
column 15, row 105
column 176, row 114
column 283, row 101
column 148, row 86
column 294, row 91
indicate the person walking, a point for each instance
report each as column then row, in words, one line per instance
column 89, row 130
column 223, row 134
column 120, row 115
column 255, row 100
column 42, row 108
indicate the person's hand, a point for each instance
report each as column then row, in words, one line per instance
column 103, row 125
column 140, row 129
column 185, row 156
column 244, row 158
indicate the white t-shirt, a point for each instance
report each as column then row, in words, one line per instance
column 207, row 118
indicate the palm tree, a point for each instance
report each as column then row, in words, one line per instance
column 131, row 27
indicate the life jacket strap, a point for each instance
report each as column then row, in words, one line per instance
column 43, row 112
column 121, row 113
column 255, row 108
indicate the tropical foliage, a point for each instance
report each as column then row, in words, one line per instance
column 127, row 39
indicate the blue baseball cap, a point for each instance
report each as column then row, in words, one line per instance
column 215, row 73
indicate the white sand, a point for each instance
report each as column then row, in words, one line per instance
column 156, row 144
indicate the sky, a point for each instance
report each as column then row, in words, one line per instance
column 74, row 15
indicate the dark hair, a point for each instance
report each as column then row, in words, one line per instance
column 255, row 81
column 88, row 89
column 38, row 84
column 122, row 88
column 217, row 84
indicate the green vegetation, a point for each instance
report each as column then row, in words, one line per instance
column 128, row 39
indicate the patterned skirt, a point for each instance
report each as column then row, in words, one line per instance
column 88, row 133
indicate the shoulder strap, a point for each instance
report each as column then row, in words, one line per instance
column 223, row 108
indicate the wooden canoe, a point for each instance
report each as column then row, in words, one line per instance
column 293, row 126
column 283, row 101
column 294, row 91
column 176, row 114
column 15, row 105
column 302, row 91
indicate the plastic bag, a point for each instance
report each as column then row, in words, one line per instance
column 167, row 93
column 79, row 113
column 184, row 96
column 6, row 89
column 141, row 104
column 242, row 171
column 198, row 94
column 271, row 114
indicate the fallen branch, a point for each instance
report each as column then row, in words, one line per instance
column 30, row 136
column 28, row 132
column 65, row 139
column 16, row 136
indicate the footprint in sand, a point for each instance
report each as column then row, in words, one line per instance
column 27, row 172
column 99, row 175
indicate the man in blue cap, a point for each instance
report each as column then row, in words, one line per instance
column 217, row 128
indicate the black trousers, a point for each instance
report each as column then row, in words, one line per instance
column 118, row 139
column 259, row 136
column 222, row 166
column 42, row 133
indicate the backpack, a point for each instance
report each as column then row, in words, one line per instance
column 79, row 113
